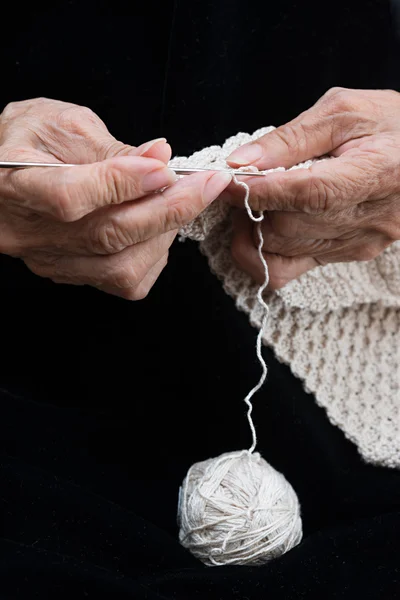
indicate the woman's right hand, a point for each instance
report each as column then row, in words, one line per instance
column 104, row 222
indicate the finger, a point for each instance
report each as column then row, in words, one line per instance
column 69, row 193
column 114, row 229
column 111, row 229
column 380, row 216
column 298, row 247
column 328, row 185
column 281, row 269
column 332, row 121
column 158, row 149
column 296, row 225
column 243, row 250
column 361, row 246
column 122, row 271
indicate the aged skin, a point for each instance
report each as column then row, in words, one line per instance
column 343, row 209
column 103, row 223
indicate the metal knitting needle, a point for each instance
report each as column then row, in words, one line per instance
column 178, row 171
column 187, row 171
column 25, row 165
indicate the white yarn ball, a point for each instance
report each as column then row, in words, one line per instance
column 237, row 510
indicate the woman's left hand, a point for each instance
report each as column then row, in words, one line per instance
column 343, row 209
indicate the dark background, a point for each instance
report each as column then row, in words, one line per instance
column 196, row 71
column 106, row 403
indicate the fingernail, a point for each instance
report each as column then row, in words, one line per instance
column 158, row 179
column 145, row 147
column 245, row 155
column 215, row 185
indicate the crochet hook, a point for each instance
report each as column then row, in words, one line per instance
column 178, row 171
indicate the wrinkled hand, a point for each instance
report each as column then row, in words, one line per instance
column 103, row 223
column 346, row 208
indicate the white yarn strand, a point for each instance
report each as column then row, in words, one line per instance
column 262, row 302
column 236, row 509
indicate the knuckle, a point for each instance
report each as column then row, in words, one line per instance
column 390, row 175
column 283, row 225
column 74, row 119
column 343, row 219
column 38, row 268
column 16, row 153
column 238, row 250
column 108, row 238
column 8, row 111
column 39, row 101
column 341, row 100
column 293, row 137
column 123, row 277
column 260, row 198
column 62, row 207
column 113, row 148
column 139, row 292
column 389, row 230
column 334, row 91
column 117, row 188
column 11, row 109
column 366, row 252
column 11, row 245
column 181, row 209
column 315, row 195
column 279, row 273
column 386, row 222
column 276, row 282
column 319, row 195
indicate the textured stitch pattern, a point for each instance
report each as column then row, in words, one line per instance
column 337, row 326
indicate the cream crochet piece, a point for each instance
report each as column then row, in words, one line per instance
column 337, row 326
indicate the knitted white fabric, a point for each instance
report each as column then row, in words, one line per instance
column 337, row 326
